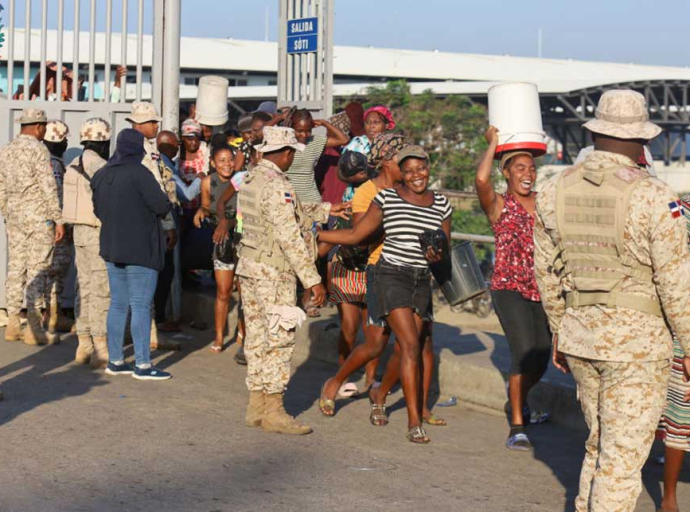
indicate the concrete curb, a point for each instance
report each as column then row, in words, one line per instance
column 472, row 376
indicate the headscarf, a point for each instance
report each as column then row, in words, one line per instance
column 129, row 148
column 355, row 112
column 384, row 147
column 384, row 112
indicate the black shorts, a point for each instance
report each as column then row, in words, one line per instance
column 402, row 287
column 527, row 331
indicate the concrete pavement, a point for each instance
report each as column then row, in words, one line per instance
column 77, row 440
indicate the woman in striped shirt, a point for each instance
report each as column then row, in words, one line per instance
column 301, row 172
column 402, row 275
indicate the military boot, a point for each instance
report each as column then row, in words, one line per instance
column 99, row 357
column 277, row 420
column 13, row 331
column 84, row 350
column 64, row 323
column 53, row 317
column 255, row 409
column 34, row 333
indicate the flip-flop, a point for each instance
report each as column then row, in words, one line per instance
column 326, row 405
column 434, row 421
column 216, row 349
column 348, row 390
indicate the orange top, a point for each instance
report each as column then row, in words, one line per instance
column 363, row 197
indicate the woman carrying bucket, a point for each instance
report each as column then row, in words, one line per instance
column 513, row 286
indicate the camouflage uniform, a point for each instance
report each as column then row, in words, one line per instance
column 29, row 204
column 264, row 286
column 93, row 291
column 619, row 357
column 63, row 252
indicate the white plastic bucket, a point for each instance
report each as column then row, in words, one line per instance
column 212, row 101
column 514, row 109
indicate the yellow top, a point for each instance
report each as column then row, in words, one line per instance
column 363, row 197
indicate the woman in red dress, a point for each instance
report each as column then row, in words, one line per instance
column 513, row 286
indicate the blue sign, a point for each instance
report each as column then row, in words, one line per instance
column 302, row 35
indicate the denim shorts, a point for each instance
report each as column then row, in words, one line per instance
column 399, row 286
column 372, row 299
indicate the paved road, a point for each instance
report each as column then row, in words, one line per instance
column 75, row 440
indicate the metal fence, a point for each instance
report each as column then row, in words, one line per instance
column 56, row 69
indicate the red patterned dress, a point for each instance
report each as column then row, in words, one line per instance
column 514, row 265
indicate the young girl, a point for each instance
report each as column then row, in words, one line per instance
column 212, row 188
column 403, row 278
column 513, row 286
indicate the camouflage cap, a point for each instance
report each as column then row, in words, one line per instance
column 95, row 129
column 385, row 146
column 56, row 131
column 278, row 137
column 32, row 116
column 623, row 114
column 143, row 112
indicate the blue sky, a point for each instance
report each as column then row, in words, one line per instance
column 611, row 30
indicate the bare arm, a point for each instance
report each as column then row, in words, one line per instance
column 336, row 137
column 367, row 226
column 205, row 209
column 490, row 201
column 239, row 161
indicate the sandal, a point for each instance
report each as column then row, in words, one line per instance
column 347, row 390
column 378, row 416
column 326, row 405
column 216, row 349
column 418, row 435
column 434, row 421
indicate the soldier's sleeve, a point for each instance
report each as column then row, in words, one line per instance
column 3, row 189
column 278, row 206
column 317, row 212
column 670, row 258
column 548, row 282
column 46, row 182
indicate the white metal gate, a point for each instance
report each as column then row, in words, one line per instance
column 94, row 56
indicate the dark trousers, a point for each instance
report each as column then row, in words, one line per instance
column 165, row 279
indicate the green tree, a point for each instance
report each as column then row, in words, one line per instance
column 451, row 129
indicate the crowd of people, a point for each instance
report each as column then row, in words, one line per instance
column 590, row 273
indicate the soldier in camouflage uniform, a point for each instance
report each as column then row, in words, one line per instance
column 56, row 141
column 145, row 120
column 611, row 260
column 273, row 253
column 29, row 204
column 93, row 290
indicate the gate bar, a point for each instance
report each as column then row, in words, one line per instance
column 123, row 54
column 75, row 52
column 27, row 49
column 92, row 52
column 60, row 30
column 10, row 54
column 108, row 43
column 140, row 48
column 44, row 46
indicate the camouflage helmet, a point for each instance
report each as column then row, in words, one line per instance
column 95, row 129
column 56, row 131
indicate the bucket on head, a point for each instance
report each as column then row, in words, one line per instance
column 459, row 276
column 514, row 109
column 212, row 100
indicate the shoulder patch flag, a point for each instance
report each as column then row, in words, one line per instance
column 288, row 198
column 676, row 208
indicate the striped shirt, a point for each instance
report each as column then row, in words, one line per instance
column 301, row 172
column 403, row 222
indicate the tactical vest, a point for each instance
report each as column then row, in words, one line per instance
column 258, row 241
column 77, row 198
column 591, row 210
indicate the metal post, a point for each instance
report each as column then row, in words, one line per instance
column 10, row 53
column 44, row 47
column 157, row 63
column 140, row 48
column 75, row 53
column 60, row 32
column 27, row 50
column 171, row 65
column 108, row 49
column 92, row 52
column 328, row 58
column 123, row 54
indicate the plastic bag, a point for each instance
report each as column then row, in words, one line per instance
column 224, row 251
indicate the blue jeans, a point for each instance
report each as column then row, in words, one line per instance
column 130, row 287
